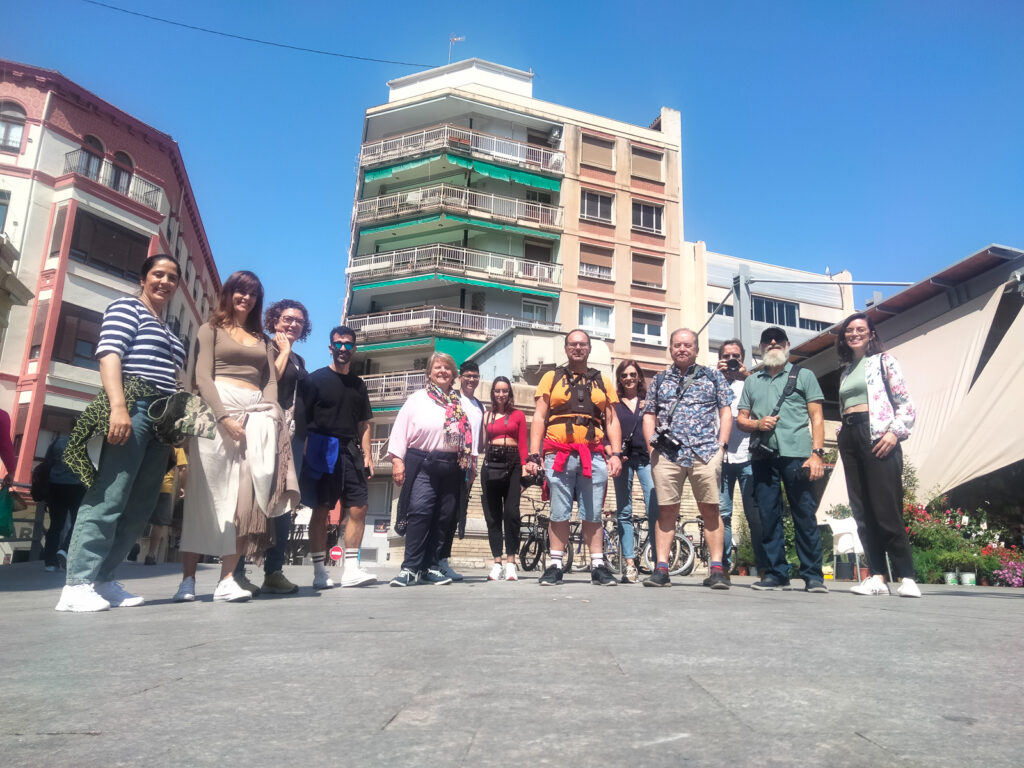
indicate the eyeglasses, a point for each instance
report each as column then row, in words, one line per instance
column 627, row 375
column 469, row 375
column 729, row 357
column 577, row 345
column 343, row 344
column 291, row 320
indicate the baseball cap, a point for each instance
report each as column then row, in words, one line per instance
column 774, row 333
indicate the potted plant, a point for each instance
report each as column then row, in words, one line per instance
column 950, row 563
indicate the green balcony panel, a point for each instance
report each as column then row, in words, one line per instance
column 478, row 166
column 457, row 348
column 461, row 280
column 479, row 224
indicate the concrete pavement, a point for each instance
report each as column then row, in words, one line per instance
column 483, row 674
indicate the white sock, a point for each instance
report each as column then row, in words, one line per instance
column 352, row 559
column 556, row 558
column 596, row 560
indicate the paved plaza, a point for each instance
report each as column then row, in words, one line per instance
column 487, row 674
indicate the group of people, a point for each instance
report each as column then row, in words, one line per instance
column 284, row 436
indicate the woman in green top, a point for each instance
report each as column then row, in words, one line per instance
column 877, row 415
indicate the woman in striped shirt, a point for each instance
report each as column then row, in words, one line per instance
column 139, row 359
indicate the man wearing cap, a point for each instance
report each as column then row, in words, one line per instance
column 778, row 408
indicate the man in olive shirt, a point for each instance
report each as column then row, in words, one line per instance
column 795, row 460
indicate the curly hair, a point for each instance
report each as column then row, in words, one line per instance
column 273, row 314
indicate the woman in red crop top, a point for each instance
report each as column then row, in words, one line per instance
column 504, row 456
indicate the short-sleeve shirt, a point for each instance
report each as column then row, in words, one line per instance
column 558, row 394
column 695, row 420
column 180, row 460
column 147, row 348
column 761, row 391
column 335, row 403
column 474, row 410
column 739, row 441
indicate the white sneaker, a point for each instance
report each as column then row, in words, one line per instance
column 321, row 580
column 116, row 595
column 186, row 591
column 357, row 577
column 497, row 573
column 447, row 571
column 872, row 585
column 510, row 572
column 229, row 591
column 81, row 598
column 908, row 588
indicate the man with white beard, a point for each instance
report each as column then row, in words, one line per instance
column 777, row 405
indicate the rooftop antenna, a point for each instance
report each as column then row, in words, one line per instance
column 452, row 40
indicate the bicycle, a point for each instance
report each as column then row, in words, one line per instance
column 611, row 545
column 681, row 556
column 534, row 535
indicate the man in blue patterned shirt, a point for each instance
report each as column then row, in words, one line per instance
column 687, row 421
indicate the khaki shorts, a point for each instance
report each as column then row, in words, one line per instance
column 669, row 479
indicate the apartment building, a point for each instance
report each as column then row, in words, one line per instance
column 87, row 193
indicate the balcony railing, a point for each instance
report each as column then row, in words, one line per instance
column 437, row 321
column 452, row 259
column 458, row 199
column 449, row 137
column 379, row 450
column 113, row 176
column 398, row 385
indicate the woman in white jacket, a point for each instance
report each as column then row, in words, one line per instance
column 877, row 415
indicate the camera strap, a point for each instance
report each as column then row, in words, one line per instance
column 787, row 390
column 680, row 391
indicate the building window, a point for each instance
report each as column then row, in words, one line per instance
column 596, row 262
column 90, row 159
column 121, row 173
column 597, row 151
column 645, row 164
column 648, row 328
column 596, row 320
column 535, row 311
column 648, row 271
column 647, row 217
column 596, row 207
column 12, row 126
column 83, row 357
column 814, row 325
column 5, row 203
column 725, row 310
column 108, row 247
column 774, row 311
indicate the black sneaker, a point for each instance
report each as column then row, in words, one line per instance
column 602, row 576
column 708, row 582
column 769, row 582
column 150, row 560
column 133, row 553
column 658, row 579
column 816, row 586
column 552, row 577
column 717, row 580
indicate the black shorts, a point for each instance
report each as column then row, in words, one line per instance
column 347, row 483
column 163, row 512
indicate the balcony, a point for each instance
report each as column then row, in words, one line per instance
column 379, row 450
column 457, row 200
column 395, row 386
column 453, row 260
column 503, row 150
column 120, row 180
column 437, row 321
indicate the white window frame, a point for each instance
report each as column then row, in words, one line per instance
column 654, row 207
column 777, row 305
column 647, row 338
column 641, row 284
column 534, row 303
column 592, row 328
column 595, row 271
column 611, row 206
column 661, row 164
column 819, row 325
column 604, row 139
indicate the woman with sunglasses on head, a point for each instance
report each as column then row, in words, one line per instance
column 504, row 456
column 877, row 415
column 139, row 362
column 244, row 475
column 632, row 389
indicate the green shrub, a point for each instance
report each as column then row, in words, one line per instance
column 926, row 566
column 986, row 565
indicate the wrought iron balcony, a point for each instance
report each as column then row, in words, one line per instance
column 119, row 179
column 458, row 200
column 436, row 321
column 453, row 260
column 499, row 148
column 395, row 386
column 379, row 449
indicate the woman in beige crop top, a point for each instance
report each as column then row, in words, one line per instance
column 226, row 506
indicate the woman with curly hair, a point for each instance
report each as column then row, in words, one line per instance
column 877, row 415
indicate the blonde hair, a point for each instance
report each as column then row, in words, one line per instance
column 445, row 358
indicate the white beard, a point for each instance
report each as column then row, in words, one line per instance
column 776, row 358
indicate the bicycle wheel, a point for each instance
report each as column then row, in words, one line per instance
column 683, row 556
column 531, row 551
column 613, row 547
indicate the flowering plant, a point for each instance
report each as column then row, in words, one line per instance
column 1011, row 574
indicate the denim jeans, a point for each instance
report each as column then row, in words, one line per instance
column 768, row 474
column 118, row 506
column 744, row 474
column 570, row 482
column 641, row 465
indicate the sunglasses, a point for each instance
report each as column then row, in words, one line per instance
column 730, row 357
column 343, row 344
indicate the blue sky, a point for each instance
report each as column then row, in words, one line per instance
column 882, row 137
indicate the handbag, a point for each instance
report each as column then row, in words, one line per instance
column 497, row 468
column 6, row 513
column 180, row 416
column 758, row 445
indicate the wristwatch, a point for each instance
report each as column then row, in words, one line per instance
column 725, row 446
column 820, row 452
column 617, row 454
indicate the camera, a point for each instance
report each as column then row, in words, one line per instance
column 627, row 446
column 665, row 442
column 732, row 364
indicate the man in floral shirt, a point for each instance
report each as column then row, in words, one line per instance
column 687, row 421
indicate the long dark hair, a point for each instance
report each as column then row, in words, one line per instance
column 641, row 382
column 511, row 396
column 875, row 345
column 224, row 315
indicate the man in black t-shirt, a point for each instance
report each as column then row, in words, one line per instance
column 338, row 460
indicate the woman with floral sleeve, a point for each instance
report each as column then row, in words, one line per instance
column 877, row 415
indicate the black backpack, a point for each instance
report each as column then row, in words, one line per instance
column 579, row 409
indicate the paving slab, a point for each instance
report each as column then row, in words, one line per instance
column 493, row 673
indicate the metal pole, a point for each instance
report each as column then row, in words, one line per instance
column 827, row 282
